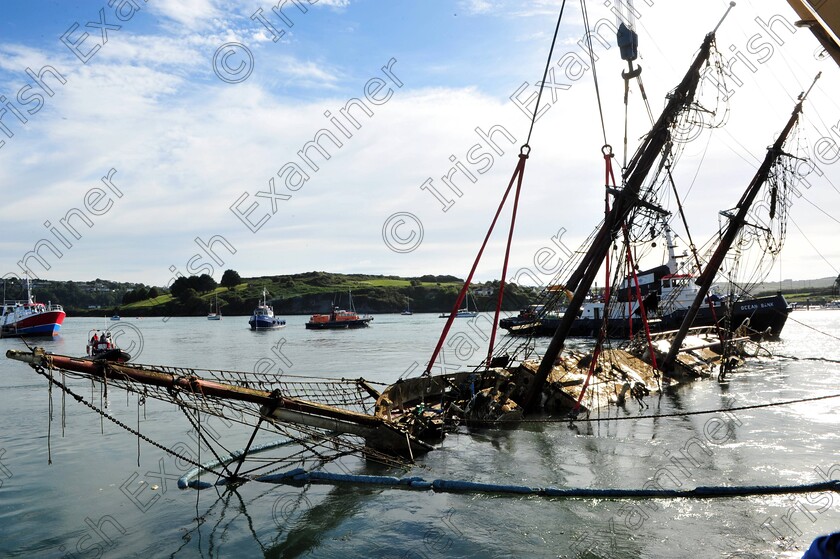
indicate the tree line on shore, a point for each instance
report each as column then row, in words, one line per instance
column 305, row 293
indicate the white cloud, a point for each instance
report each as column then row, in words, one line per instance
column 512, row 8
column 186, row 146
column 477, row 6
column 334, row 3
column 307, row 73
column 16, row 57
column 192, row 14
column 202, row 15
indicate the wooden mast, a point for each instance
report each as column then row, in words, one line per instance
column 625, row 201
column 736, row 223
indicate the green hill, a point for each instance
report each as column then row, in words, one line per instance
column 307, row 293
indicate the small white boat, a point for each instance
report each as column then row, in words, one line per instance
column 217, row 314
column 465, row 312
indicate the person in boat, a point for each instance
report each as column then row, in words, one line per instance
column 93, row 344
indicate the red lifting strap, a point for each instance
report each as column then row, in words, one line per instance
column 505, row 265
column 609, row 178
column 517, row 176
column 639, row 297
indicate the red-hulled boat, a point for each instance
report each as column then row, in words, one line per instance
column 338, row 319
column 29, row 318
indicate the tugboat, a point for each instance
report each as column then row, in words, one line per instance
column 338, row 319
column 263, row 317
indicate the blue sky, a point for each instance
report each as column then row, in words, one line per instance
column 186, row 146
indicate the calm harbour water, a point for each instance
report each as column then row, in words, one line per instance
column 94, row 500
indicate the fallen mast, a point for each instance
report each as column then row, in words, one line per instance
column 378, row 433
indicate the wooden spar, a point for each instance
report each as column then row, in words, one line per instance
column 636, row 173
column 736, row 223
column 823, row 19
column 377, row 432
column 711, row 344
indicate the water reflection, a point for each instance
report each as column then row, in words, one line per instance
column 286, row 521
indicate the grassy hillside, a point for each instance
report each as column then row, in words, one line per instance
column 314, row 292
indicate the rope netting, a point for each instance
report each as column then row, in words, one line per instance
column 307, row 446
column 350, row 394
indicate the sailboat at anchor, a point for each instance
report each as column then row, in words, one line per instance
column 407, row 311
column 463, row 312
column 215, row 314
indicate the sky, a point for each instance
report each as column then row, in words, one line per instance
column 156, row 138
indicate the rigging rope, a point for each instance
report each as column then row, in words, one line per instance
column 813, row 247
column 49, row 416
column 642, row 311
column 691, row 242
column 814, row 329
column 609, row 180
column 197, row 426
column 517, row 175
column 106, row 415
column 545, row 72
column 588, row 36
column 828, row 215
column 573, row 419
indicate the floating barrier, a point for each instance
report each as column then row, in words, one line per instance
column 187, row 480
column 299, row 476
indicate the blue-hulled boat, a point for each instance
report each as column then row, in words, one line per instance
column 263, row 317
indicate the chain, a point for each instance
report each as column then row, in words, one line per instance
column 40, row 370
